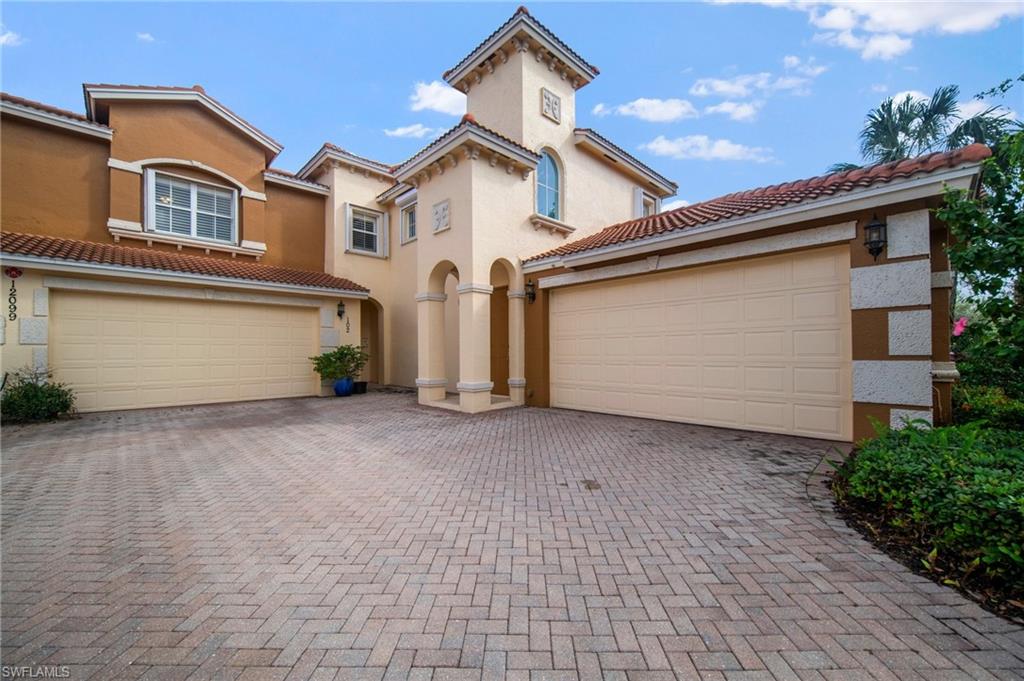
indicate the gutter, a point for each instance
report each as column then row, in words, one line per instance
column 121, row 272
column 833, row 205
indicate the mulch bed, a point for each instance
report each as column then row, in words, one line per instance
column 906, row 549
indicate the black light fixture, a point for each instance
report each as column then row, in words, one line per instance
column 531, row 291
column 341, row 310
column 875, row 236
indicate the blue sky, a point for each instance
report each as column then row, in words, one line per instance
column 718, row 96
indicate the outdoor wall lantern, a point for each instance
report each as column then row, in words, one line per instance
column 531, row 291
column 875, row 237
column 341, row 310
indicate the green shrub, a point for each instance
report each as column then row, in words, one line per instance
column 988, row 404
column 345, row 361
column 30, row 395
column 954, row 494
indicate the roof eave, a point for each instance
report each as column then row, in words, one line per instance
column 95, row 93
column 326, row 153
column 468, row 133
column 49, row 118
column 522, row 22
column 657, row 181
column 62, row 265
column 931, row 184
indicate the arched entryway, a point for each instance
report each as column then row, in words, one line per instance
column 502, row 273
column 371, row 326
column 438, row 334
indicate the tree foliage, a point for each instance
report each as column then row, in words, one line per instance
column 987, row 251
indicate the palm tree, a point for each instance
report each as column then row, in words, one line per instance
column 913, row 126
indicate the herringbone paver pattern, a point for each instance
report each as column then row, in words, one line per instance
column 369, row 538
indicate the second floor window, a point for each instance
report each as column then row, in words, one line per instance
column 364, row 231
column 190, row 209
column 409, row 223
column 548, row 187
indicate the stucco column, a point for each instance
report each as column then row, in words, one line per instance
column 475, row 347
column 431, row 382
column 517, row 346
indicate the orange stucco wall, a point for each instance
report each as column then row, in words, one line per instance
column 53, row 181
column 294, row 228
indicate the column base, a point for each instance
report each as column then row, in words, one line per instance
column 431, row 390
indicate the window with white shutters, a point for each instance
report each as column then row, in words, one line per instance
column 191, row 209
column 364, row 231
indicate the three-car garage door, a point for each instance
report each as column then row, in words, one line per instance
column 122, row 352
column 759, row 344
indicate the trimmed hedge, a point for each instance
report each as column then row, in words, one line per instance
column 953, row 497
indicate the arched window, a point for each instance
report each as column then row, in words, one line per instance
column 548, row 187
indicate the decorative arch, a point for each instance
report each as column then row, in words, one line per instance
column 140, row 166
column 549, row 186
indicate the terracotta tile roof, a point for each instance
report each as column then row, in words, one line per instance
column 64, row 113
column 14, row 243
column 631, row 157
column 468, row 121
column 522, row 11
column 168, row 88
column 766, row 199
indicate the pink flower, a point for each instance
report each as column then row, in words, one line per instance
column 959, row 326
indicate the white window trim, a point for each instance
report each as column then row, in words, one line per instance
column 640, row 197
column 150, row 202
column 402, row 210
column 382, row 231
column 560, row 167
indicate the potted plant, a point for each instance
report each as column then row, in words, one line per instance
column 340, row 365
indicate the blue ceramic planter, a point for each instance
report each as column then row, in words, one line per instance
column 343, row 387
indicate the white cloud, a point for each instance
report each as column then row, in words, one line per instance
column 145, row 37
column 973, row 107
column 601, row 110
column 806, row 67
column 879, row 87
column 9, row 38
column 737, row 111
column 745, row 85
column 703, row 148
column 884, row 46
column 657, row 110
column 417, row 130
column 879, row 30
column 915, row 95
column 437, row 96
column 672, row 205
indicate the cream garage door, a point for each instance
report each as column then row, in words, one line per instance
column 123, row 352
column 759, row 344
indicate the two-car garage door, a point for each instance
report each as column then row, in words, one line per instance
column 760, row 344
column 122, row 352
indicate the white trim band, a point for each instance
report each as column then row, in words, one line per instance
column 296, row 183
column 431, row 297
column 161, row 291
column 470, row 287
column 431, row 382
column 517, row 382
column 474, row 386
column 139, row 168
column 39, row 116
column 517, row 294
column 945, row 372
column 819, row 236
column 122, row 272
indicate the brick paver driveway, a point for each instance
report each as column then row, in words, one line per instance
column 371, row 538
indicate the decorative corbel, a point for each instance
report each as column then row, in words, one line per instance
column 440, row 166
column 489, row 65
column 478, row 77
column 564, row 74
column 539, row 54
column 526, row 173
column 509, row 167
column 494, row 160
column 463, row 85
column 502, row 56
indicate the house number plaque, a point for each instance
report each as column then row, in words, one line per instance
column 12, row 293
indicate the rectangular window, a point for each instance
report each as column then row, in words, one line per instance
column 409, row 223
column 364, row 232
column 190, row 209
column 650, row 205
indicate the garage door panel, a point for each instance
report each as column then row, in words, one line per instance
column 761, row 344
column 122, row 352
